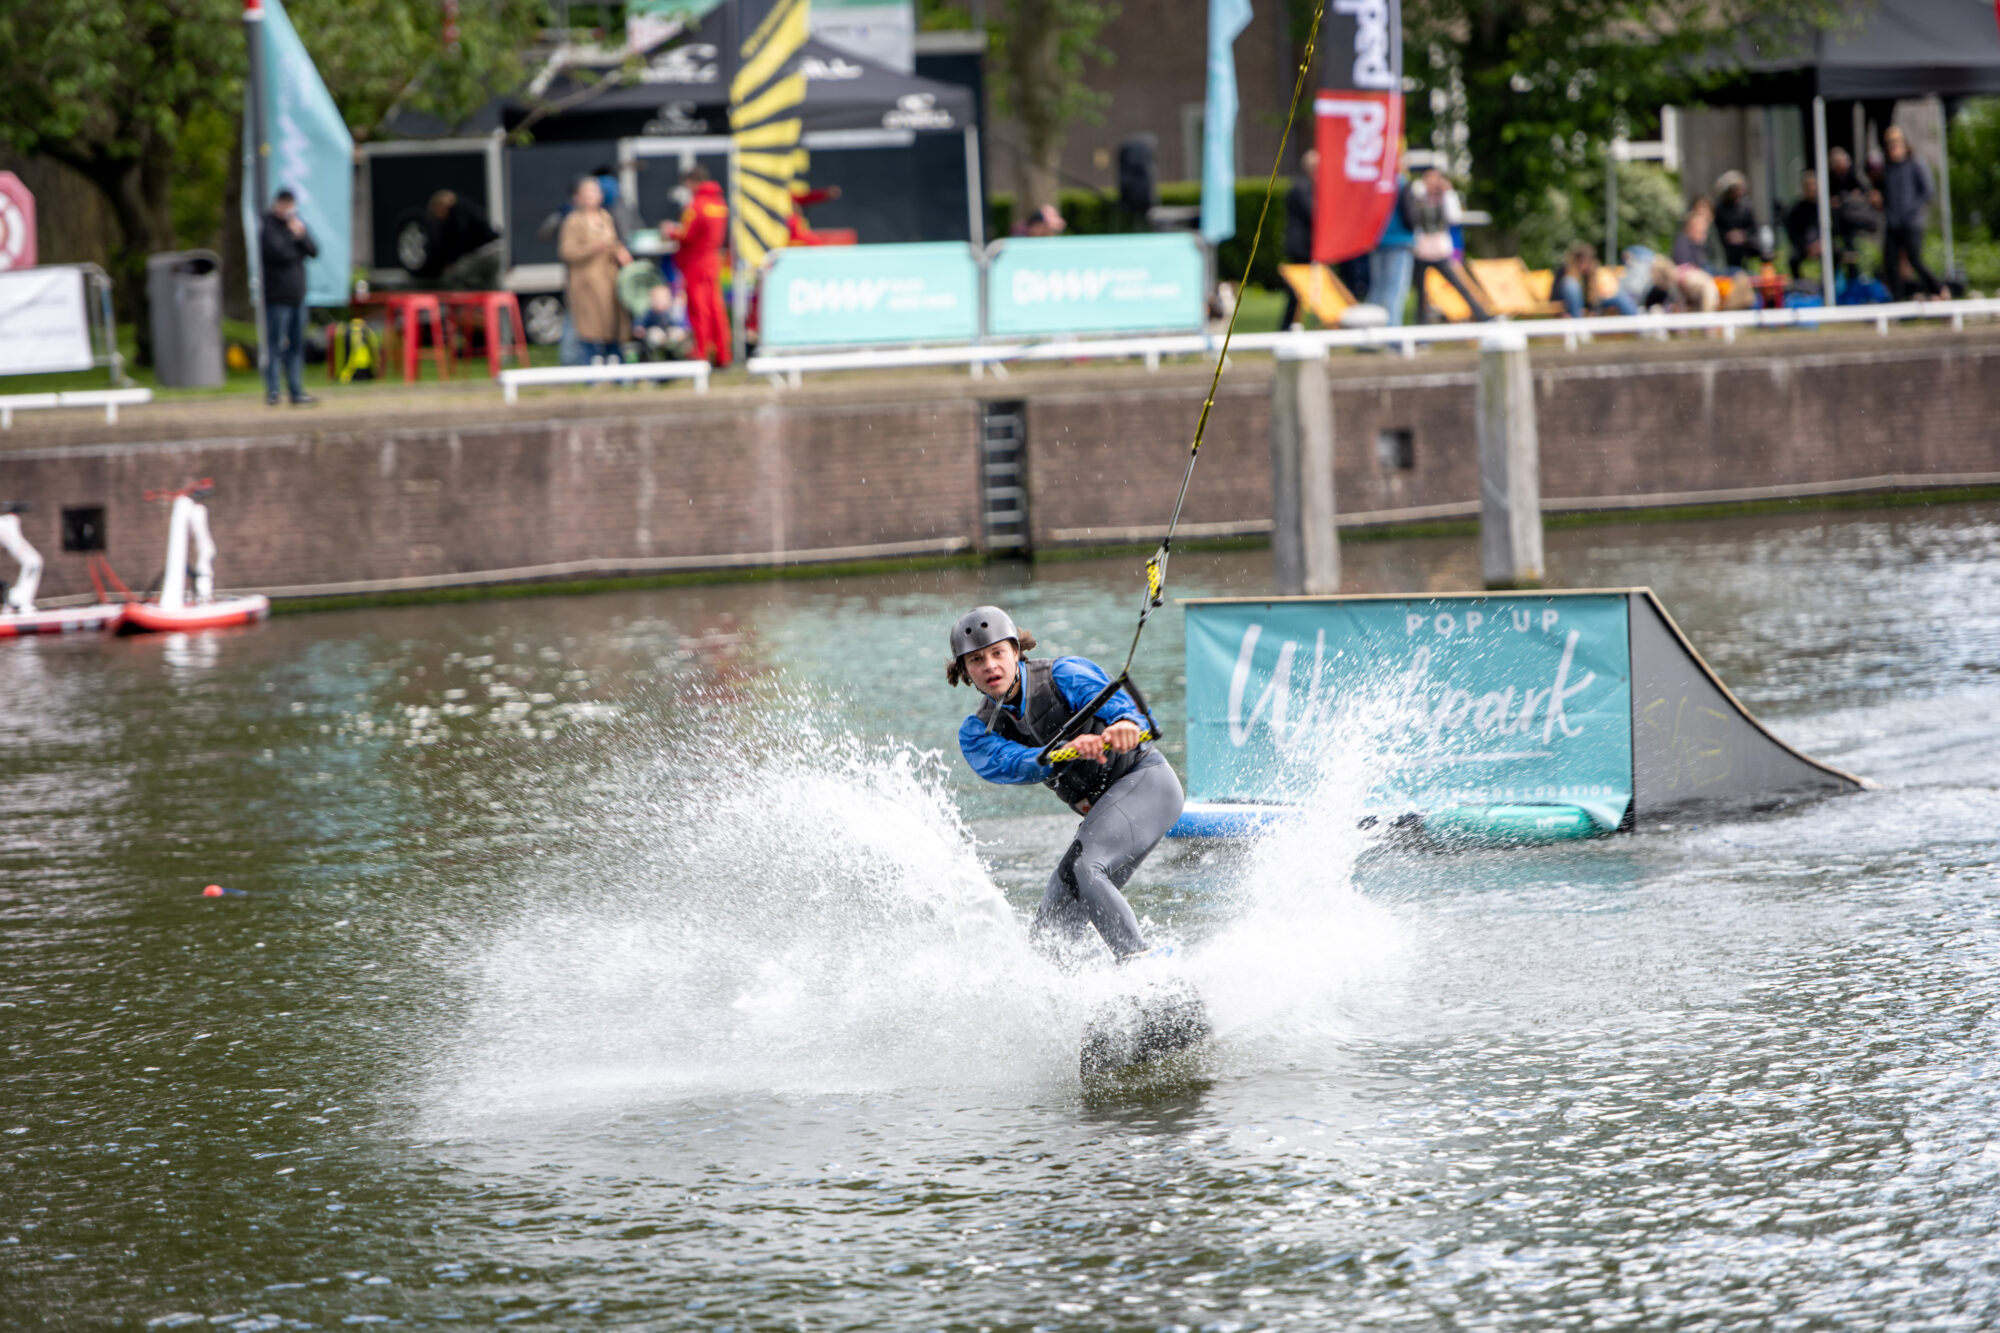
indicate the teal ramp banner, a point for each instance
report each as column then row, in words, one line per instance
column 858, row 295
column 1429, row 703
column 1146, row 283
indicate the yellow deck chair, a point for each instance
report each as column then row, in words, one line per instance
column 1320, row 291
column 1444, row 297
column 1513, row 288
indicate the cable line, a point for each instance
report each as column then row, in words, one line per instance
column 1156, row 566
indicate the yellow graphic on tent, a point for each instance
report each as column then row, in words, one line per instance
column 764, row 101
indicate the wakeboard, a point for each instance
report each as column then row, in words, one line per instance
column 1162, row 1017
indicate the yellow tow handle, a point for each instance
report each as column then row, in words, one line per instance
column 1069, row 753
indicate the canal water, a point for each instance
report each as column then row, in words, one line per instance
column 646, row 960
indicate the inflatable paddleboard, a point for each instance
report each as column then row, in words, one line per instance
column 142, row 617
column 64, row 620
column 1162, row 1017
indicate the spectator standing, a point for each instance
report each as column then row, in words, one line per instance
column 1736, row 221
column 1854, row 214
column 588, row 244
column 1576, row 285
column 797, row 230
column 1299, row 229
column 467, row 245
column 703, row 233
column 1389, row 265
column 1433, row 209
column 1907, row 192
column 1802, row 224
column 283, row 246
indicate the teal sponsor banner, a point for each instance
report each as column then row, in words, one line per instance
column 1429, row 703
column 1146, row 283
column 858, row 295
column 312, row 155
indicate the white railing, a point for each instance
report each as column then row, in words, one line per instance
column 108, row 399
column 512, row 381
column 787, row 368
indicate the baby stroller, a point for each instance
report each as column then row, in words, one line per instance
column 659, row 314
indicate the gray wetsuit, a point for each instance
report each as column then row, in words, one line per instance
column 1123, row 825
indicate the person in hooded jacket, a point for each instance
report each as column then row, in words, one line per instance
column 1123, row 787
column 703, row 233
column 284, row 245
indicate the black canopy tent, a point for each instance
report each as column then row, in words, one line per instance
column 903, row 148
column 1879, row 51
column 684, row 89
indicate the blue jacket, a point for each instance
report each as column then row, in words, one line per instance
column 1396, row 229
column 998, row 759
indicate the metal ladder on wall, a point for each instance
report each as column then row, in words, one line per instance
column 1003, row 456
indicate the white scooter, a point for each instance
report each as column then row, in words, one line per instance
column 18, row 615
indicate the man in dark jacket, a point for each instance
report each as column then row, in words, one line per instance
column 1802, row 224
column 1854, row 214
column 468, row 248
column 1906, row 203
column 284, row 245
column 1299, row 228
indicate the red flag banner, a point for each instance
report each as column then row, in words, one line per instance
column 1359, row 119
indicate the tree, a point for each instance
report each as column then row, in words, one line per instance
column 1044, row 45
column 1975, row 167
column 384, row 56
column 1545, row 83
column 107, row 89
column 131, row 93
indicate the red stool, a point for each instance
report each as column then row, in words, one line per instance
column 406, row 312
column 501, row 339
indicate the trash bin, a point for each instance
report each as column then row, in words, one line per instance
column 185, row 288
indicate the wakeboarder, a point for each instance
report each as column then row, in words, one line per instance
column 1126, row 791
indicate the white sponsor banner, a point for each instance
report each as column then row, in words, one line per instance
column 44, row 321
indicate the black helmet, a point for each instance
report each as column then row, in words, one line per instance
column 981, row 627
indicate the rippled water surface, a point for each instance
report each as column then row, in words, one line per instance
column 638, row 960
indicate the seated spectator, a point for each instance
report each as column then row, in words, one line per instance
column 468, row 246
column 1689, row 279
column 1576, row 285
column 1736, row 220
column 1045, row 221
column 661, row 329
column 1802, row 223
column 1431, row 208
column 1855, row 214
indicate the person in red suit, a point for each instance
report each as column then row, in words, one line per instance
column 797, row 230
column 703, row 233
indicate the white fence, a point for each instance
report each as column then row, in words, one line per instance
column 782, row 368
column 511, row 381
column 108, row 399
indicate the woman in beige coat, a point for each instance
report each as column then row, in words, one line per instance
column 588, row 243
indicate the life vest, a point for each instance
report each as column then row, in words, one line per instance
column 357, row 347
column 1043, row 712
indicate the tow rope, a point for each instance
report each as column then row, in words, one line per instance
column 1059, row 750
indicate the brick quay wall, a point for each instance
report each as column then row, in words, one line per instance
column 393, row 493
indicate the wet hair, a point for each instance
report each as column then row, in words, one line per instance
column 954, row 669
